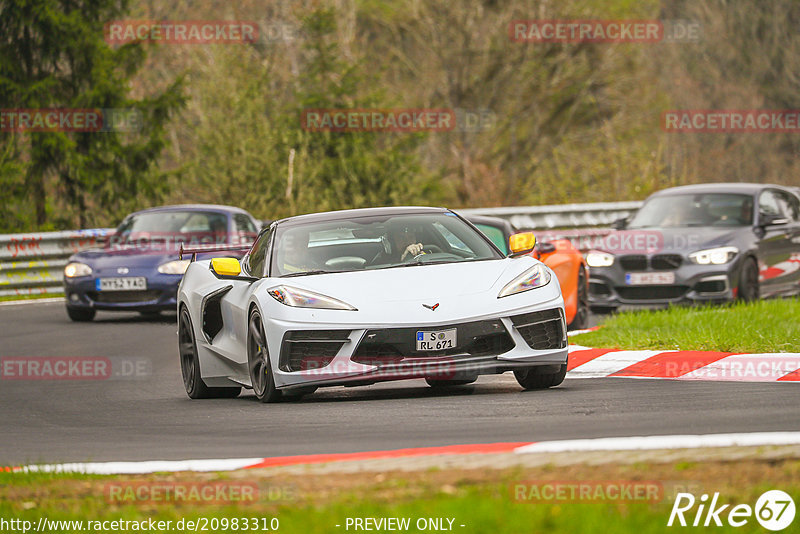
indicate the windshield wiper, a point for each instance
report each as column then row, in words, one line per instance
column 304, row 273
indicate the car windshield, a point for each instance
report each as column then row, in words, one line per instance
column 376, row 242
column 204, row 226
column 707, row 209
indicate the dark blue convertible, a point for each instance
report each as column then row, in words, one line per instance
column 138, row 269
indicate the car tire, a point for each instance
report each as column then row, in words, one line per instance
column 80, row 315
column 748, row 281
column 258, row 363
column 437, row 383
column 540, row 377
column 581, row 319
column 190, row 364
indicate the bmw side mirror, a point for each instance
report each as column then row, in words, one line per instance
column 773, row 220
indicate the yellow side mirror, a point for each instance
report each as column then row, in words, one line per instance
column 521, row 243
column 226, row 266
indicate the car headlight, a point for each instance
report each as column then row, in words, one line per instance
column 536, row 276
column 174, row 267
column 75, row 269
column 302, row 298
column 714, row 256
column 595, row 258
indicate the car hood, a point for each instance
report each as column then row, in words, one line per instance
column 100, row 259
column 672, row 240
column 414, row 283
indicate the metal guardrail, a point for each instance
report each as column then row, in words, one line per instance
column 561, row 216
column 33, row 263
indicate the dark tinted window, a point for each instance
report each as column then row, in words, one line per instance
column 258, row 255
column 496, row 235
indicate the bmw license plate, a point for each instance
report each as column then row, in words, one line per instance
column 131, row 283
column 649, row 279
column 436, row 339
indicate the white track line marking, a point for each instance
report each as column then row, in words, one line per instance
column 638, row 443
column 137, row 468
column 31, row 301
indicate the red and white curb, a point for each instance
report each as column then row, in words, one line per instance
column 586, row 362
column 754, row 439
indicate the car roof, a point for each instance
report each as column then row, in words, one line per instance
column 193, row 207
column 725, row 187
column 361, row 212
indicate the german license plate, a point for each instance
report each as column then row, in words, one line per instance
column 130, row 283
column 436, row 339
column 649, row 279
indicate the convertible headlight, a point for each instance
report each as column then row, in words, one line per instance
column 302, row 298
column 174, row 267
column 536, row 276
column 714, row 256
column 595, row 258
column 75, row 269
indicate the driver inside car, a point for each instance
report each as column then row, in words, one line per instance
column 400, row 244
column 404, row 239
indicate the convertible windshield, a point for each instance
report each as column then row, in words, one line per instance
column 174, row 222
column 709, row 209
column 376, row 242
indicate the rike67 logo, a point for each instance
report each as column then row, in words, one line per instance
column 774, row 510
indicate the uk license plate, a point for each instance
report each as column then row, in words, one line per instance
column 436, row 339
column 130, row 283
column 649, row 279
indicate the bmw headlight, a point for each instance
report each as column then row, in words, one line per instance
column 536, row 276
column 714, row 256
column 75, row 269
column 595, row 258
column 174, row 267
column 302, row 298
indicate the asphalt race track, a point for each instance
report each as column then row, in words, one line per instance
column 150, row 417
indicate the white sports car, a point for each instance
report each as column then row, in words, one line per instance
column 361, row 296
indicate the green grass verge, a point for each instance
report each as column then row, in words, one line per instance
column 6, row 298
column 763, row 326
column 483, row 504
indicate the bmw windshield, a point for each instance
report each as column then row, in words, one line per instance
column 707, row 209
column 377, row 242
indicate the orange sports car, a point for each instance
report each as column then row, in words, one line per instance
column 560, row 255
